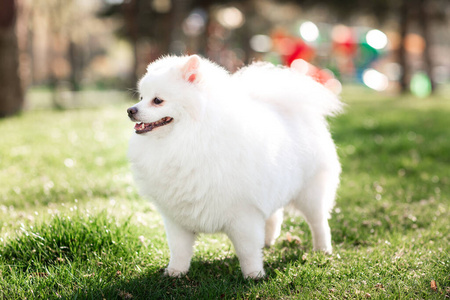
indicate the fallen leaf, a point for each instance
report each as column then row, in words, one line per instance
column 379, row 286
column 367, row 295
column 39, row 274
column 118, row 273
column 297, row 240
column 125, row 295
column 433, row 285
column 288, row 237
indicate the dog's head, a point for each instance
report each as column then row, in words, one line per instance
column 170, row 95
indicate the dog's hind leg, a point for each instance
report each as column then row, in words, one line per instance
column 321, row 234
column 273, row 227
column 315, row 203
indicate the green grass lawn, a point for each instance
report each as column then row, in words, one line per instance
column 73, row 226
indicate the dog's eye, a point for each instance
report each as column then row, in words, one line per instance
column 157, row 101
column 141, row 98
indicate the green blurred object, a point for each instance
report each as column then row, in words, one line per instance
column 420, row 85
column 273, row 58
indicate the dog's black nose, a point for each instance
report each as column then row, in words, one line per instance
column 132, row 111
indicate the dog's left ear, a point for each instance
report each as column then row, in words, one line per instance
column 190, row 70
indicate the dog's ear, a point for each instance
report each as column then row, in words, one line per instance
column 190, row 70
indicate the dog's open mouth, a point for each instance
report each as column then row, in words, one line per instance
column 146, row 127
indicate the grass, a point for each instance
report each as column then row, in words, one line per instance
column 72, row 225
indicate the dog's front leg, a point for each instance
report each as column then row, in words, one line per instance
column 181, row 242
column 247, row 235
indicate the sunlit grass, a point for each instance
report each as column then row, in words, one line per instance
column 73, row 226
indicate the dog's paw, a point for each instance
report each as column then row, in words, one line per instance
column 255, row 275
column 174, row 273
column 269, row 242
column 325, row 250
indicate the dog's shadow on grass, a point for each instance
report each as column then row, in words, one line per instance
column 216, row 279
column 205, row 280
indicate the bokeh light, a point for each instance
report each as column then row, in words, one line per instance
column 420, row 85
column 393, row 70
column 375, row 80
column 414, row 43
column 341, row 34
column 194, row 24
column 230, row 17
column 309, row 31
column 160, row 6
column 301, row 66
column 334, row 85
column 325, row 76
column 261, row 43
column 376, row 39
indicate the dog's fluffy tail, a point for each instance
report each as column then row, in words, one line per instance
column 287, row 89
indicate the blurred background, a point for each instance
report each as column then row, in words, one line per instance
column 60, row 52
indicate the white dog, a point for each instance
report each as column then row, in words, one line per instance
column 225, row 153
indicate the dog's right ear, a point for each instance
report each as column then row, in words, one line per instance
column 190, row 70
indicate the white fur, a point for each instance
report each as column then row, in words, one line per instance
column 240, row 148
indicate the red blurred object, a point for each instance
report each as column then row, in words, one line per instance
column 294, row 52
column 344, row 40
column 306, row 68
column 324, row 77
column 291, row 48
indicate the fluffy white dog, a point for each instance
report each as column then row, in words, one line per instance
column 225, row 153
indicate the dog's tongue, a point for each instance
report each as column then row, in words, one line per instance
column 145, row 127
column 140, row 126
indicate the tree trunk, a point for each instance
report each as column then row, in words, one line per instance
column 131, row 13
column 424, row 17
column 179, row 10
column 11, row 95
column 402, row 59
column 75, row 65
